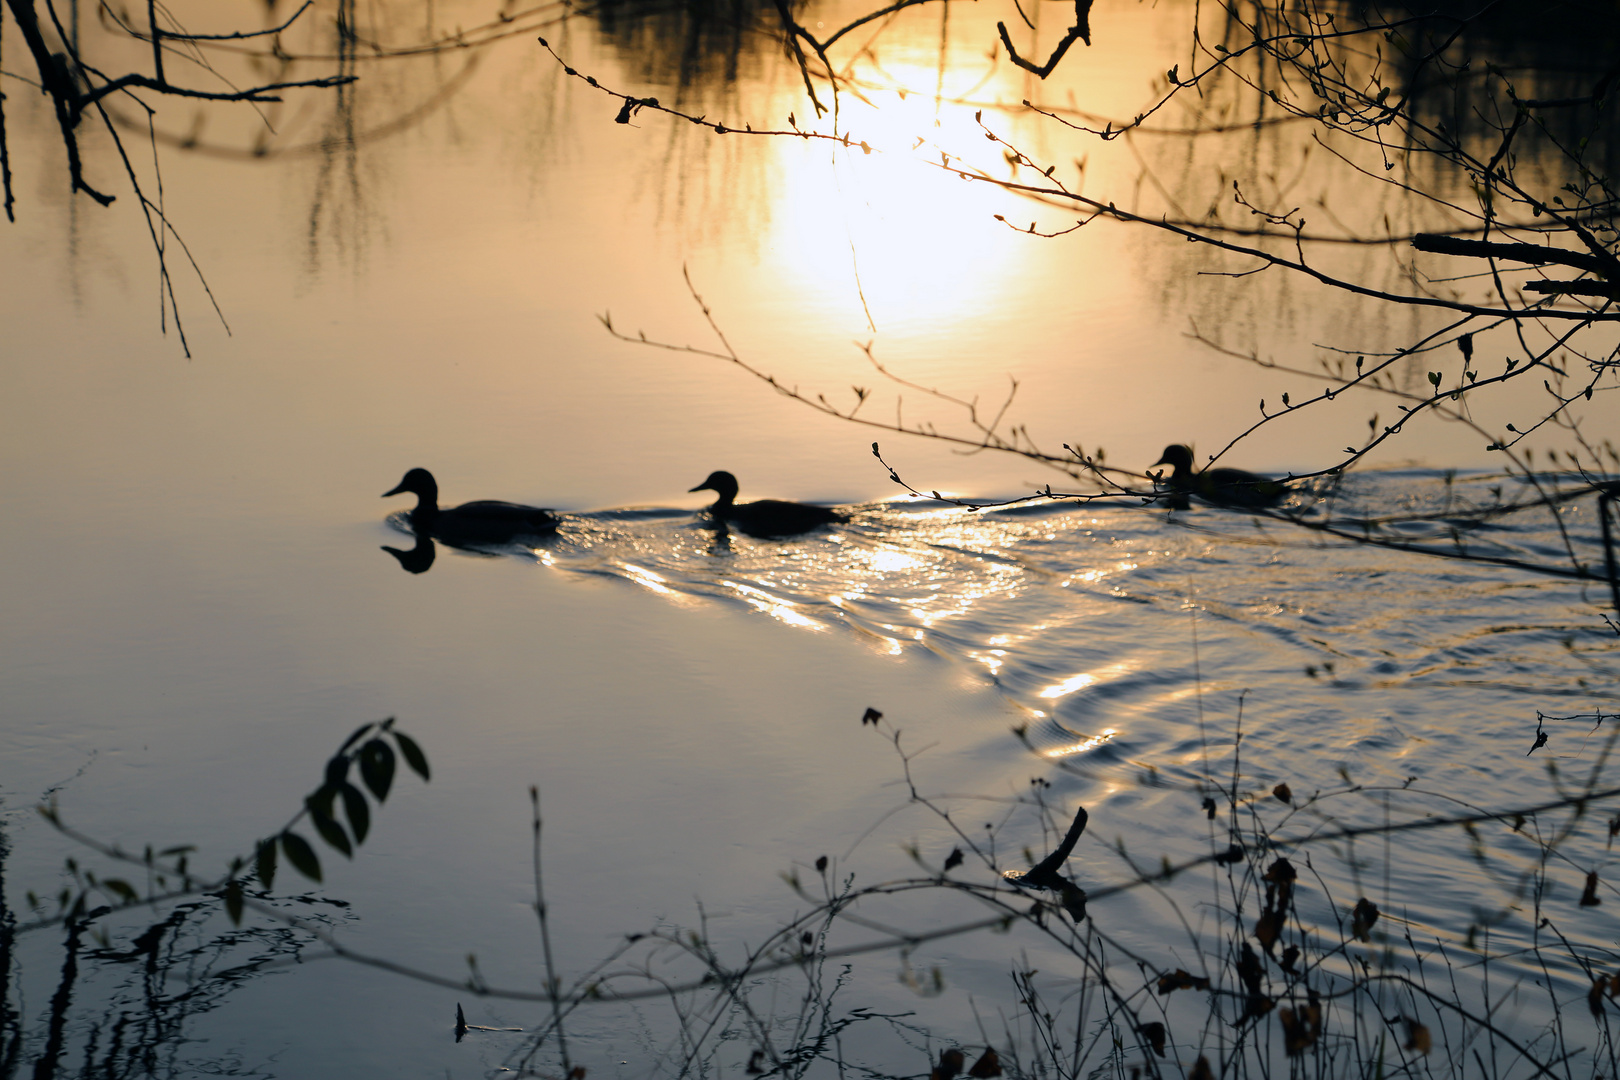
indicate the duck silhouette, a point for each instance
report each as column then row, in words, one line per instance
column 1223, row 487
column 767, row 518
column 487, row 521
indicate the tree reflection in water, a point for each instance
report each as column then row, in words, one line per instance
column 127, row 996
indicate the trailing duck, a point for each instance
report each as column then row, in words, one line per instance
column 766, row 518
column 487, row 521
column 1223, row 487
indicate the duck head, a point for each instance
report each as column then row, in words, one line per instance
column 1177, row 456
column 418, row 482
column 722, row 483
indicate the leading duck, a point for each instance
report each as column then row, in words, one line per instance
column 1223, row 487
column 766, row 518
column 486, row 521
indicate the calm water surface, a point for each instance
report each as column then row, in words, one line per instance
column 200, row 612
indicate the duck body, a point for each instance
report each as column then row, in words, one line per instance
column 1223, row 487
column 767, row 518
column 488, row 521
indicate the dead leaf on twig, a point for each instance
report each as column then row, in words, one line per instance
column 1268, row 928
column 1181, row 980
column 950, row 1066
column 1300, row 1029
column 1362, row 919
column 1589, row 897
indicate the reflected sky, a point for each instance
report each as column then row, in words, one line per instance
column 413, row 274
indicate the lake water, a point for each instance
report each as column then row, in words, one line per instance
column 199, row 611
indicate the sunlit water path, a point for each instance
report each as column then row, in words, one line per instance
column 1126, row 635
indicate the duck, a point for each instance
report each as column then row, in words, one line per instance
column 766, row 518
column 486, row 521
column 1223, row 487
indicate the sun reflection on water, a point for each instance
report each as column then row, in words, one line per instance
column 869, row 225
column 1083, row 746
column 773, row 606
column 1087, row 678
column 642, row 576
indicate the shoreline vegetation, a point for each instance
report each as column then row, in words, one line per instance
column 1298, row 956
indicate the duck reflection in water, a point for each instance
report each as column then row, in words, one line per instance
column 417, row 560
column 1223, row 487
column 768, row 518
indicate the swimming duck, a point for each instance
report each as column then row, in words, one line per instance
column 486, row 521
column 1224, row 487
column 767, row 517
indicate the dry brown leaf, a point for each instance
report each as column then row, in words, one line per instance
column 1362, row 918
column 1299, row 1029
column 1281, row 872
column 1417, row 1037
column 1283, row 793
column 987, row 1066
column 1589, row 898
column 1201, row 1070
column 1268, row 929
column 1181, row 980
column 1153, row 1034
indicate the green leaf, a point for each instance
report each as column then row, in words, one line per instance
column 413, row 754
column 266, row 860
column 352, row 739
column 377, row 767
column 354, row 804
column 301, row 855
column 325, row 824
column 321, row 801
column 233, row 901
column 121, row 888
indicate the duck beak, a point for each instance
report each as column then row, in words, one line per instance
column 702, row 487
column 1161, row 461
column 395, row 490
